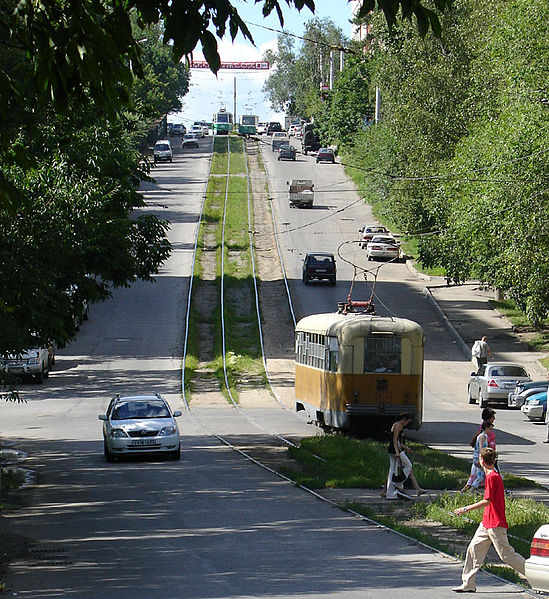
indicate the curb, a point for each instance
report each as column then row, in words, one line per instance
column 465, row 350
column 415, row 272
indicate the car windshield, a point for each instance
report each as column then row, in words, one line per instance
column 286, row 147
column 146, row 408
column 162, row 147
column 507, row 371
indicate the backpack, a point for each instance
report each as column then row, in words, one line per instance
column 475, row 350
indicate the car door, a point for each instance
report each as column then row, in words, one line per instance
column 476, row 382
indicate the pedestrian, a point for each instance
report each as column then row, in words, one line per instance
column 397, row 453
column 492, row 530
column 477, row 477
column 481, row 351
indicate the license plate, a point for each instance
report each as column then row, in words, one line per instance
column 320, row 270
column 17, row 369
column 141, row 442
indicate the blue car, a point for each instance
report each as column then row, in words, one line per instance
column 535, row 406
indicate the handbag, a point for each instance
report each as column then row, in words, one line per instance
column 398, row 474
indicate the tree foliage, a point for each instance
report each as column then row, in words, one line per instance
column 460, row 157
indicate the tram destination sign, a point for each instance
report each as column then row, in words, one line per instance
column 260, row 65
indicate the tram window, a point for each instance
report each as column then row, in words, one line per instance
column 382, row 354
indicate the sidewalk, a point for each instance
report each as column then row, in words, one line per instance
column 468, row 315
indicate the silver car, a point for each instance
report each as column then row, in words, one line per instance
column 494, row 381
column 140, row 424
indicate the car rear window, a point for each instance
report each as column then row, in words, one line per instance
column 379, row 239
column 507, row 371
column 320, row 259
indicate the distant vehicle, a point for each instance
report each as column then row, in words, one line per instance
column 325, row 155
column 537, row 565
column 204, row 127
column 279, row 139
column 222, row 122
column 248, row 124
column 493, row 381
column 368, row 231
column 35, row 363
column 262, row 128
column 300, row 193
column 292, row 129
column 286, row 152
column 309, row 140
column 383, row 246
column 273, row 127
column 299, row 132
column 162, row 151
column 522, row 391
column 535, row 406
column 290, row 121
column 198, row 130
column 320, row 266
column 190, row 140
column 178, row 129
column 140, row 424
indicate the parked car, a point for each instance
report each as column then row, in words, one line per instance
column 178, row 129
column 368, row 231
column 325, row 155
column 292, row 130
column 383, row 246
column 298, row 132
column 537, row 565
column 137, row 424
column 35, row 363
column 535, row 406
column 273, row 127
column 319, row 265
column 261, row 128
column 493, row 381
column 286, row 152
column 162, row 151
column 522, row 391
column 190, row 140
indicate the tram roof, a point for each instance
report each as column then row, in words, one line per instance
column 357, row 325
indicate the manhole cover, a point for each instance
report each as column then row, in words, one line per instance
column 49, row 556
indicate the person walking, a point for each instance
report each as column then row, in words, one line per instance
column 481, row 351
column 476, row 478
column 397, row 453
column 492, row 530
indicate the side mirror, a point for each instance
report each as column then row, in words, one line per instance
column 102, row 417
column 473, row 374
column 177, row 413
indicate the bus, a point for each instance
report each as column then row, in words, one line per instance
column 248, row 124
column 358, row 371
column 222, row 122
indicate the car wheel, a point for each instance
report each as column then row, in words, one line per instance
column 471, row 398
column 39, row 378
column 333, row 282
column 176, row 454
column 306, row 280
column 108, row 455
column 279, row 159
column 481, row 401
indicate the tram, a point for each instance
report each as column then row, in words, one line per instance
column 222, row 122
column 248, row 124
column 358, row 371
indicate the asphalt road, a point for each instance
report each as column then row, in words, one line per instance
column 214, row 524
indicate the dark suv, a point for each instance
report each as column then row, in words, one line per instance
column 273, row 127
column 319, row 265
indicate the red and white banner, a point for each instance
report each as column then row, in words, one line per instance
column 261, row 65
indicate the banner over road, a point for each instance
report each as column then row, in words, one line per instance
column 260, row 65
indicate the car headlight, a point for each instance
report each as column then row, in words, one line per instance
column 166, row 431
column 118, row 432
column 534, row 402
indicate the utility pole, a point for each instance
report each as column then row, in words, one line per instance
column 331, row 69
column 234, row 110
column 377, row 115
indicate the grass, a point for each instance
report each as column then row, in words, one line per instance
column 356, row 463
column 540, row 342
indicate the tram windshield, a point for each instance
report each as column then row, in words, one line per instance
column 248, row 120
column 222, row 117
column 382, row 354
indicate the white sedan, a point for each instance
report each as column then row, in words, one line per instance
column 537, row 565
column 383, row 246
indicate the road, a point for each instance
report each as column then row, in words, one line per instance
column 214, row 524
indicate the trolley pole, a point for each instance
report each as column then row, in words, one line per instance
column 234, row 110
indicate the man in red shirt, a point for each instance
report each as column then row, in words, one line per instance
column 493, row 528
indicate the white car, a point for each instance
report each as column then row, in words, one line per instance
column 537, row 565
column 35, row 362
column 368, row 231
column 261, row 128
column 190, row 140
column 162, row 151
column 137, row 424
column 198, row 130
column 383, row 246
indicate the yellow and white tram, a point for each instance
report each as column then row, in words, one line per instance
column 357, row 370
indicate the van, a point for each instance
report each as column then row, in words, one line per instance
column 162, row 151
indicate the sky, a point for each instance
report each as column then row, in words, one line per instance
column 208, row 93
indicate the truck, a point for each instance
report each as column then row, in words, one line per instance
column 300, row 193
column 309, row 140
